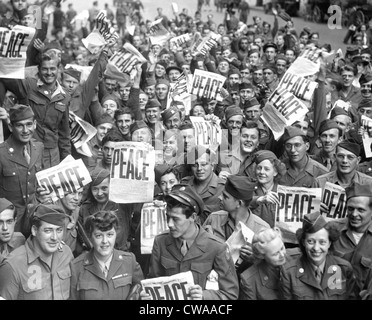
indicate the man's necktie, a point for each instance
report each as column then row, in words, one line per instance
column 184, row 248
column 26, row 154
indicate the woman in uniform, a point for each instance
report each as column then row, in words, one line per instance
column 104, row 273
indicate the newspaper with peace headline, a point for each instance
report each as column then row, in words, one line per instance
column 334, row 197
column 294, row 203
column 158, row 33
column 207, row 84
column 13, row 51
column 132, row 172
column 153, row 222
column 207, row 133
column 174, row 287
column 64, row 178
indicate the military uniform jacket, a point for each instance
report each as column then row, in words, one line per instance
column 207, row 253
column 210, row 195
column 261, row 282
column 305, row 178
column 359, row 255
column 18, row 180
column 89, row 283
column 51, row 112
column 25, row 276
column 222, row 225
column 298, row 282
column 332, row 177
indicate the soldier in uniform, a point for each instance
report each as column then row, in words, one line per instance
column 317, row 274
column 104, row 273
column 355, row 240
column 39, row 269
column 18, row 167
column 235, row 199
column 301, row 169
column 9, row 240
column 187, row 246
column 204, row 181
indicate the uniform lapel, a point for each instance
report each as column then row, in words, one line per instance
column 92, row 266
column 306, row 274
column 171, row 245
column 197, row 249
column 34, row 154
column 115, row 265
column 15, row 157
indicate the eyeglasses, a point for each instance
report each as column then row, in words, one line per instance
column 349, row 157
column 296, row 145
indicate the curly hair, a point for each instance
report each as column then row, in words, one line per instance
column 261, row 240
column 333, row 235
column 102, row 220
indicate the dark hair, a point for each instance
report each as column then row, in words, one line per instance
column 333, row 235
column 250, row 125
column 173, row 170
column 112, row 135
column 102, row 220
column 173, row 203
column 349, row 68
column 125, row 110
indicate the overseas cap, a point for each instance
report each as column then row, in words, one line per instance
column 98, row 175
column 187, row 196
column 313, row 222
column 262, row 155
column 50, row 213
column 358, row 190
column 169, row 113
column 20, row 112
column 350, row 146
column 291, row 132
column 138, row 125
column 328, row 124
column 338, row 111
column 73, row 73
column 233, row 111
column 5, row 204
column 240, row 187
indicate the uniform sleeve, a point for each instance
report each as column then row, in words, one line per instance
column 227, row 278
column 155, row 265
column 285, row 290
column 73, row 283
column 247, row 289
column 9, row 286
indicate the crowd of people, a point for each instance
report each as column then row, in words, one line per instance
column 85, row 246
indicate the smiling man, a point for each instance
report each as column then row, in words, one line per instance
column 187, row 246
column 50, row 104
column 330, row 135
column 18, row 168
column 39, row 269
column 9, row 240
column 355, row 240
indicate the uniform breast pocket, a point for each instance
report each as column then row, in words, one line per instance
column 366, row 262
column 64, row 277
column 10, row 180
column 122, row 287
column 301, row 292
column 34, row 287
column 200, row 271
column 89, row 290
column 61, row 108
column 36, row 100
column 170, row 266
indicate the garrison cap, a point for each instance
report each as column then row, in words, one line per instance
column 169, row 113
column 262, row 155
column 365, row 78
column 233, row 111
column 103, row 118
column 313, row 222
column 162, row 81
column 20, row 112
column 338, row 111
column 291, row 132
column 5, row 204
column 350, row 146
column 251, row 102
column 240, row 187
column 50, row 213
column 98, row 175
column 152, row 103
column 139, row 124
column 358, row 190
column 187, row 196
column 365, row 103
column 328, row 124
column 73, row 73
